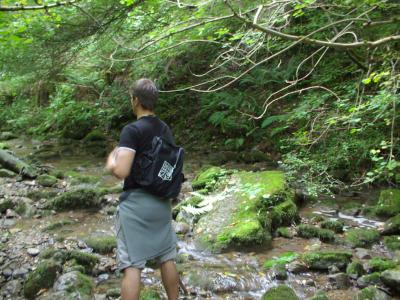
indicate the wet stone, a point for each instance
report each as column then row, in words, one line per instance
column 11, row 289
column 339, row 280
column 296, row 267
column 7, row 272
column 20, row 273
column 279, row 272
column 333, row 269
column 362, row 253
column 181, row 227
column 33, row 251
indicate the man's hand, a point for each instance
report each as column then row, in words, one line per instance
column 119, row 162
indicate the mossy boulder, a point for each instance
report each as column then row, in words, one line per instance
column 392, row 226
column 355, row 269
column 42, row 277
column 77, row 178
column 310, row 231
column 323, row 260
column 87, row 260
column 47, row 180
column 245, row 216
column 362, row 238
column 371, row 293
column 102, row 245
column 319, row 296
column 336, row 226
column 391, row 278
column 280, row 292
column 7, row 173
column 42, row 194
column 392, row 242
column 208, row 178
column 369, row 279
column 380, row 264
column 282, row 260
column 95, row 135
column 75, row 199
column 284, row 232
column 74, row 282
column 389, row 203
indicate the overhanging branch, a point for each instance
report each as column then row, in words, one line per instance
column 36, row 7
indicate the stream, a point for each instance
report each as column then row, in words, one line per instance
column 230, row 275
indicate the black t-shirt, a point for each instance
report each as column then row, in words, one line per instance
column 138, row 136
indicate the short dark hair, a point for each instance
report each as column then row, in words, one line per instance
column 146, row 92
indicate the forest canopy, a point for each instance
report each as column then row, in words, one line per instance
column 311, row 83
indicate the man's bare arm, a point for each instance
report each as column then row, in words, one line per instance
column 119, row 162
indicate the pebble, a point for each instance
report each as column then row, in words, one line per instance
column 33, row 251
column 20, row 273
column 7, row 272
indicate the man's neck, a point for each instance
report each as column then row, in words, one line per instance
column 142, row 114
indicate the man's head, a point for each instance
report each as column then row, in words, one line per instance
column 144, row 95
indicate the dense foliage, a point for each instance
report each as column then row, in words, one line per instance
column 315, row 83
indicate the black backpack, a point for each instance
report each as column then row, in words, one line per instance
column 159, row 169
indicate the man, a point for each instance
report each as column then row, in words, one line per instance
column 143, row 221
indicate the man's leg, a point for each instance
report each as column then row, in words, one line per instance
column 170, row 279
column 130, row 288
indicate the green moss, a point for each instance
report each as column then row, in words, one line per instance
column 392, row 242
column 42, row 277
column 322, row 260
column 59, row 224
column 5, row 204
column 370, row 279
column 392, row 226
column 4, row 146
column 84, row 259
column 380, row 264
column 283, row 259
column 319, row 296
column 336, row 226
column 113, row 293
column 284, row 232
column 355, row 269
column 149, row 294
column 360, row 237
column 310, row 231
column 47, row 180
column 84, row 285
column 95, row 135
column 41, row 194
column 7, row 173
column 102, row 245
column 208, row 178
column 389, row 203
column 57, row 173
column 284, row 213
column 80, row 198
column 371, row 293
column 280, row 292
column 78, row 178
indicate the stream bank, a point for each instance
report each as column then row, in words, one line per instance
column 76, row 245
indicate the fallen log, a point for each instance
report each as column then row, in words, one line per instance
column 13, row 163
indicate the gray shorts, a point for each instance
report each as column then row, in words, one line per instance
column 123, row 260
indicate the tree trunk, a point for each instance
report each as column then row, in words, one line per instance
column 16, row 165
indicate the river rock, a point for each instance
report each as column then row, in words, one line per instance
column 7, row 173
column 392, row 226
column 279, row 272
column 323, row 260
column 181, row 227
column 7, row 272
column 20, row 273
column 11, row 289
column 297, row 267
column 369, row 279
column 7, row 135
column 362, row 253
column 339, row 280
column 10, row 214
column 33, row 251
column 74, row 281
column 280, row 292
column 391, row 278
column 371, row 293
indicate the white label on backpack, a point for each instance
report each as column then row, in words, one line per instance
column 166, row 171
